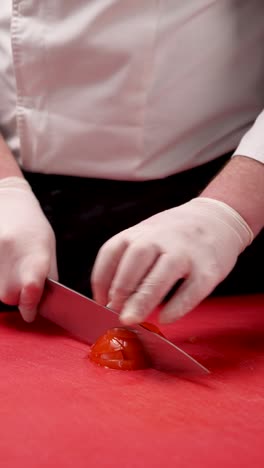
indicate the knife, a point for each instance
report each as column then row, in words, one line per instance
column 86, row 320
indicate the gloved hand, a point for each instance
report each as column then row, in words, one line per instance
column 199, row 241
column 27, row 247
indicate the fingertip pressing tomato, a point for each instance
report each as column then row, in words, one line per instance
column 119, row 348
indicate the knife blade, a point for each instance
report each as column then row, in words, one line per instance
column 86, row 320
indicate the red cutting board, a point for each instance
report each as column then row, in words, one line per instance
column 57, row 409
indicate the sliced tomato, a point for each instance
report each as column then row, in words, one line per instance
column 119, row 348
column 152, row 327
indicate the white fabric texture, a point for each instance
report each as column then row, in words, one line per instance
column 130, row 90
column 252, row 144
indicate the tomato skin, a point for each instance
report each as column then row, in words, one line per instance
column 152, row 327
column 119, row 348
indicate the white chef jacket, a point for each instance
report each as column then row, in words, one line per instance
column 130, row 89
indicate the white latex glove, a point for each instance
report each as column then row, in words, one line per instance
column 199, row 241
column 27, row 247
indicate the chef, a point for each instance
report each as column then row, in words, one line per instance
column 131, row 149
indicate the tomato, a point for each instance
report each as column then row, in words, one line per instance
column 152, row 327
column 119, row 348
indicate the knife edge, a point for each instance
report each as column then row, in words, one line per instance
column 86, row 320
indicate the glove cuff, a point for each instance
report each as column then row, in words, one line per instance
column 14, row 183
column 242, row 228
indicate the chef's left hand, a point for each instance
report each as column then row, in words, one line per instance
column 198, row 242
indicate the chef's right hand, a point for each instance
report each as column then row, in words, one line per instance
column 27, row 247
